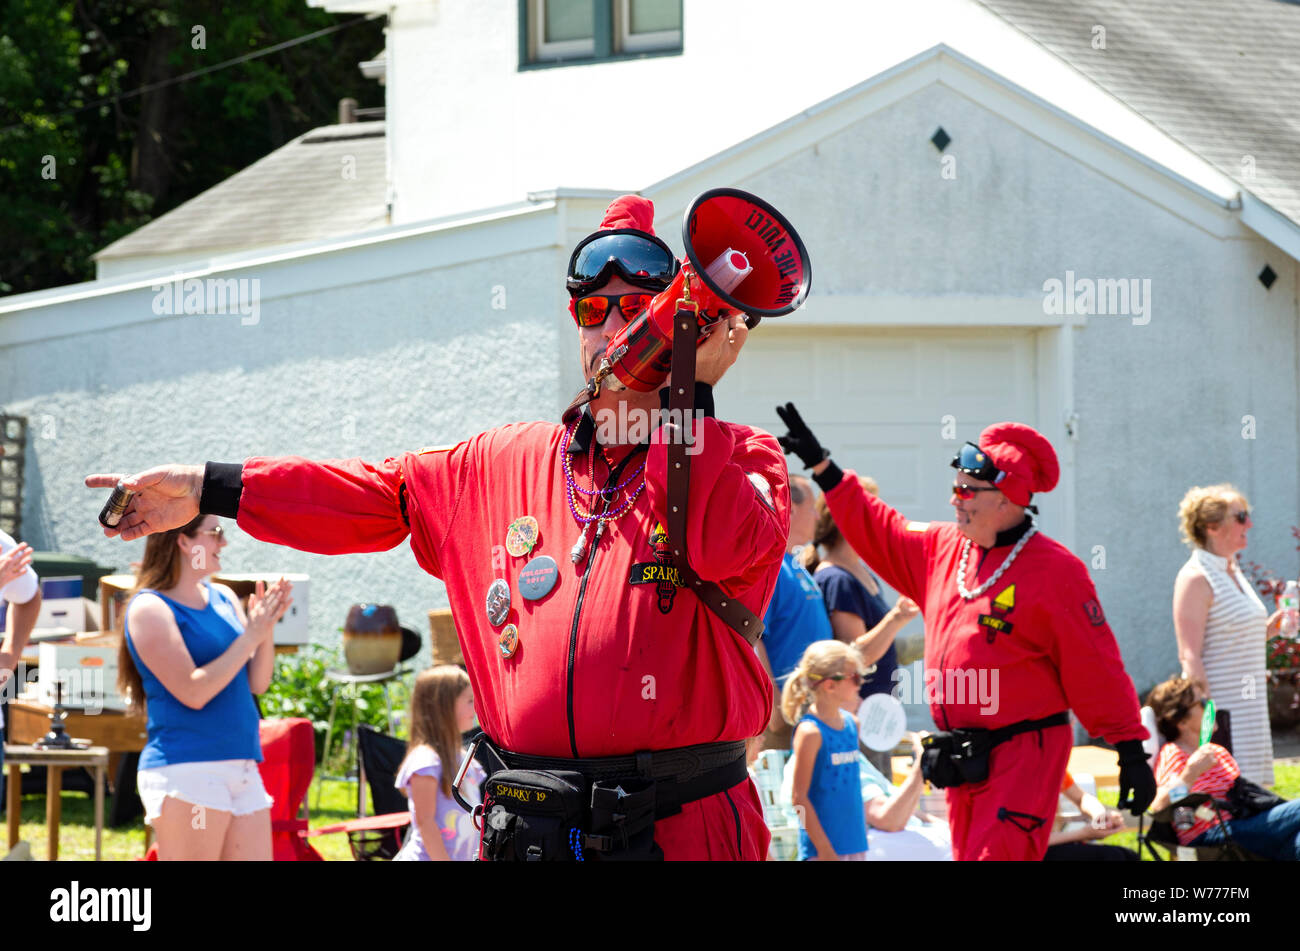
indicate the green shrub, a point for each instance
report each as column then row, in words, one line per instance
column 300, row 689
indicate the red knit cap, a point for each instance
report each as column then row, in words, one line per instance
column 630, row 211
column 1025, row 456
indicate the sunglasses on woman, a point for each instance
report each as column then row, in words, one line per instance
column 218, row 533
column 1242, row 517
column 592, row 310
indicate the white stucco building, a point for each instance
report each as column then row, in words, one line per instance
column 932, row 312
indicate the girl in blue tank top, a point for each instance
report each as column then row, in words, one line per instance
column 827, row 788
column 192, row 660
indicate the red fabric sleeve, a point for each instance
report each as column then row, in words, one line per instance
column 736, row 529
column 1092, row 673
column 330, row 507
column 881, row 537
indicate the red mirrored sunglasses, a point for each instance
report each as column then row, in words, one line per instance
column 591, row 311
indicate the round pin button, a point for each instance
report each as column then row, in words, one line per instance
column 509, row 641
column 521, row 535
column 498, row 602
column 538, row 577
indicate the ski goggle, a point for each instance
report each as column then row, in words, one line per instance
column 635, row 256
column 591, row 311
column 973, row 461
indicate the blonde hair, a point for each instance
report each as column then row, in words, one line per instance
column 433, row 717
column 1203, row 506
column 826, row 533
column 822, row 659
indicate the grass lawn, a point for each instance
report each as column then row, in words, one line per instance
column 338, row 803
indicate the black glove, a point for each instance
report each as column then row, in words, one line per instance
column 800, row 440
column 1137, row 784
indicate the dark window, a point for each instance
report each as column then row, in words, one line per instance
column 583, row 31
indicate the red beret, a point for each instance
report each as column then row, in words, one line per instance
column 630, row 211
column 1026, row 458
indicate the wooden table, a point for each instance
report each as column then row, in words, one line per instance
column 55, row 762
column 120, row 733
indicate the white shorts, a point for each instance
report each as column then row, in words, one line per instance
column 228, row 785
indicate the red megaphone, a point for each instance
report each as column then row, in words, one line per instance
column 742, row 256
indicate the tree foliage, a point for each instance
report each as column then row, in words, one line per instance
column 74, row 179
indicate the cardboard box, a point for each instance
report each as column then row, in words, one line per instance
column 444, row 646
column 88, row 675
column 292, row 628
column 66, row 614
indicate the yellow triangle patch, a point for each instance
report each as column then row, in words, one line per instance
column 1007, row 599
column 918, row 526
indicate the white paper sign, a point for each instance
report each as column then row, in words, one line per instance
column 882, row 721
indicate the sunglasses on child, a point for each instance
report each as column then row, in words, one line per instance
column 591, row 311
column 856, row 678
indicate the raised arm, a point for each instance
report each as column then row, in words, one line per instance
column 21, row 588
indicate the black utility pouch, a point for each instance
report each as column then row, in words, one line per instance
column 956, row 757
column 533, row 815
column 623, row 822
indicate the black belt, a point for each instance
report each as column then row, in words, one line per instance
column 681, row 775
column 1002, row 734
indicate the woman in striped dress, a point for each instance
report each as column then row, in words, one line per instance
column 1221, row 624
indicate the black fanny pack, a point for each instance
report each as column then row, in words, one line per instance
column 956, row 757
column 540, row 809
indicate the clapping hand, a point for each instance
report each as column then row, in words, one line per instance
column 267, row 606
column 14, row 563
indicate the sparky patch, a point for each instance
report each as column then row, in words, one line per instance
column 763, row 488
column 1096, row 617
column 652, row 572
column 993, row 626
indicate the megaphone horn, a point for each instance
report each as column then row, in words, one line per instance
column 742, row 256
column 723, row 222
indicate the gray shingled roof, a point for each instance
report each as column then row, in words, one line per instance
column 1220, row 76
column 330, row 181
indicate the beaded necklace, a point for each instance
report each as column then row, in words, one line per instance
column 583, row 516
column 965, row 554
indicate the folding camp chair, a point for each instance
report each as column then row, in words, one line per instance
column 378, row 836
column 1162, row 834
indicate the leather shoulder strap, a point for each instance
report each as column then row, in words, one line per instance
column 681, row 405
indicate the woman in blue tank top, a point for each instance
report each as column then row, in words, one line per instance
column 826, row 784
column 192, row 659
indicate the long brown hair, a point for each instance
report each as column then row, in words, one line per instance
column 160, row 570
column 433, row 717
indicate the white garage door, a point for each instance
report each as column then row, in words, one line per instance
column 879, row 398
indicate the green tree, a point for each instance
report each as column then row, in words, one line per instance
column 86, row 157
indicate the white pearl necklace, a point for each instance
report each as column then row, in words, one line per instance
column 965, row 554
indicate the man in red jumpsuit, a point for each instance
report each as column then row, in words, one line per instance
column 577, row 640
column 1014, row 633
